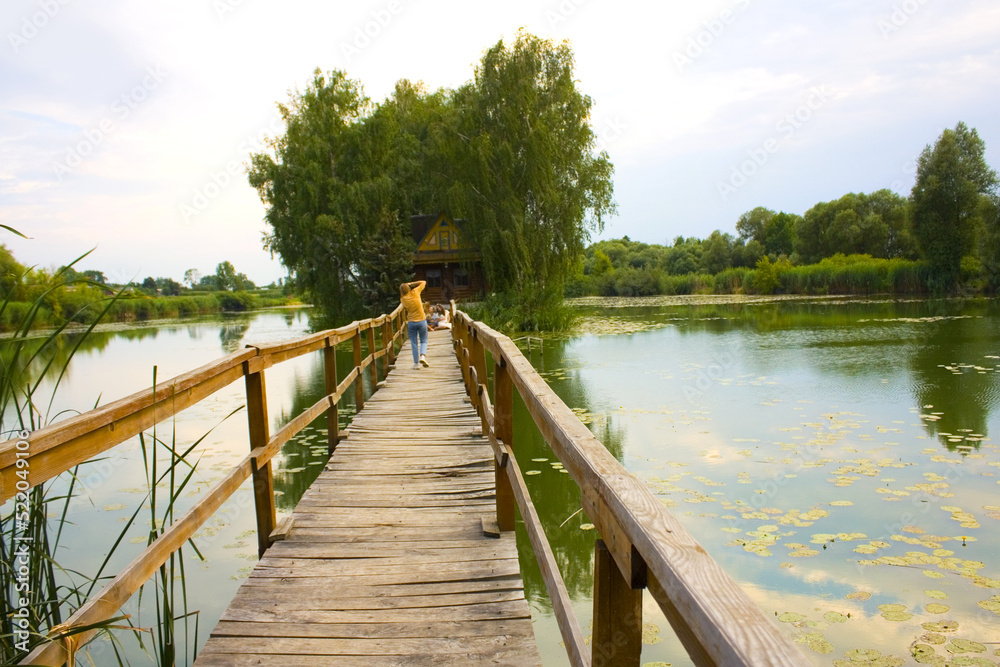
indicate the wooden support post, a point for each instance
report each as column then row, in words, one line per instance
column 617, row 614
column 387, row 344
column 371, row 351
column 263, row 483
column 479, row 357
column 503, row 426
column 359, row 382
column 330, row 375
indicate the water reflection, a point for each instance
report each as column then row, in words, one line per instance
column 231, row 333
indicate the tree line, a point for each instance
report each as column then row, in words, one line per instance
column 51, row 297
column 949, row 225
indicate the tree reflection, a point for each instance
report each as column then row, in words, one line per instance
column 954, row 391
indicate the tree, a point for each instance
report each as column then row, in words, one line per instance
column 225, row 276
column 191, row 277
column 751, row 224
column 149, row 284
column 95, row 276
column 525, row 171
column 717, row 252
column 337, row 169
column 951, row 178
column 989, row 247
column 11, row 273
column 168, row 286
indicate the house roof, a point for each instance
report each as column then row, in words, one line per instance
column 421, row 225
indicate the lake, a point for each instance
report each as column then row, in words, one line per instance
column 833, row 455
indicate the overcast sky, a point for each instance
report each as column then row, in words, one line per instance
column 125, row 125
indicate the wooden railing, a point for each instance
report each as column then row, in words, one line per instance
column 57, row 448
column 641, row 545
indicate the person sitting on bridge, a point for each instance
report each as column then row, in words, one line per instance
column 439, row 318
column 416, row 323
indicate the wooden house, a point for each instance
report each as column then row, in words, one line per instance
column 450, row 264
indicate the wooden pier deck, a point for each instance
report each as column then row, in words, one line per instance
column 387, row 561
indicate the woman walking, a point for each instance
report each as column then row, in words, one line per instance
column 416, row 321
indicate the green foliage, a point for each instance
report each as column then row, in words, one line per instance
column 226, row 278
column 765, row 278
column 875, row 224
column 989, row 248
column 510, row 152
column 235, row 301
column 508, row 313
column 525, row 176
column 951, row 179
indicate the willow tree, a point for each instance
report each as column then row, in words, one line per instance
column 331, row 188
column 526, row 176
column 952, row 180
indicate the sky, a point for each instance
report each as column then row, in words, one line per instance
column 125, row 127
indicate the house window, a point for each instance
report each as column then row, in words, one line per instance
column 461, row 278
column 434, row 277
column 445, row 238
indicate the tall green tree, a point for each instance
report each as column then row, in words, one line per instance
column 952, row 176
column 526, row 174
column 989, row 245
column 329, row 180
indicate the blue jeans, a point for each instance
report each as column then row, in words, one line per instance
column 413, row 331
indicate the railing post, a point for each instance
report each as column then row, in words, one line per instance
column 503, row 426
column 330, row 375
column 617, row 614
column 263, row 483
column 359, row 382
column 371, row 351
column 478, row 357
column 387, row 333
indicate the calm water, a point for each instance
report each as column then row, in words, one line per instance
column 834, row 456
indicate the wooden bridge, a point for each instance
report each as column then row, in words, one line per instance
column 402, row 552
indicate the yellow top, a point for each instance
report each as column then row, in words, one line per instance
column 414, row 307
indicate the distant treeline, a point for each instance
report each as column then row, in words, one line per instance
column 39, row 298
column 83, row 304
column 944, row 237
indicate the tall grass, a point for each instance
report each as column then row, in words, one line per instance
column 38, row 591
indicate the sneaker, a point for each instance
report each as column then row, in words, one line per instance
column 423, row 360
column 416, row 367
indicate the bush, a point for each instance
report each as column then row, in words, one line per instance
column 235, row 301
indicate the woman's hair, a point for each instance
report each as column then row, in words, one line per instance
column 404, row 289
